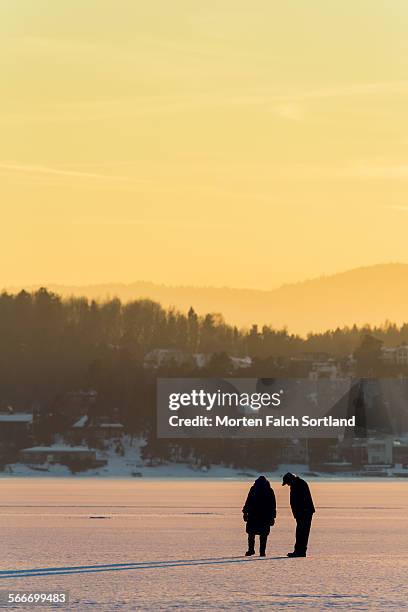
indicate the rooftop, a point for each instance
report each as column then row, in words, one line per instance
column 81, row 422
column 16, row 417
column 56, row 448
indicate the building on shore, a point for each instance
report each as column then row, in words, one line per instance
column 59, row 453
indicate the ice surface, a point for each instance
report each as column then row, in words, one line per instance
column 177, row 545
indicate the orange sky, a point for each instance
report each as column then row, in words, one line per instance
column 218, row 143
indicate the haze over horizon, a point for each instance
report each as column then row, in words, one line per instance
column 116, row 283
column 366, row 295
column 202, row 144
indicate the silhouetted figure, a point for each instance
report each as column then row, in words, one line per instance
column 259, row 514
column 303, row 509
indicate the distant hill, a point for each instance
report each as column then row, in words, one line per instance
column 371, row 294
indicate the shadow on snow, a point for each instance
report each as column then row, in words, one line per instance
column 115, row 567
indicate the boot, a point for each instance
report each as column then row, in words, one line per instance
column 262, row 545
column 251, row 545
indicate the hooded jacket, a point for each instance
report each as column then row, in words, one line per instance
column 260, row 507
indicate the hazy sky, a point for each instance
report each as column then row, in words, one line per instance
column 225, row 142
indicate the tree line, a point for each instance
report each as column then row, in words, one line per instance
column 50, row 346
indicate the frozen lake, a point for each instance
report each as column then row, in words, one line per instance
column 179, row 544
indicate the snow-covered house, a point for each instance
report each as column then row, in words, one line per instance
column 12, row 423
column 388, row 354
column 401, row 354
column 97, row 428
column 396, row 355
column 325, row 369
column 240, row 363
column 159, row 357
column 57, row 453
column 380, row 451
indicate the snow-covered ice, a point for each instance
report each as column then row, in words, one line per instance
column 169, row 544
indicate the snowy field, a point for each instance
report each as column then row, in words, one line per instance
column 167, row 545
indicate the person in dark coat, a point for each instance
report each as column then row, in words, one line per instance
column 303, row 509
column 259, row 514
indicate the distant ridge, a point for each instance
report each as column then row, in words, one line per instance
column 370, row 294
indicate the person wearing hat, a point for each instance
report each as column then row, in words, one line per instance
column 259, row 514
column 303, row 509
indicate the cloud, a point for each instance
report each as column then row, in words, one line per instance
column 286, row 105
column 46, row 170
column 358, row 170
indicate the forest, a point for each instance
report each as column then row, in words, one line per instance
column 52, row 346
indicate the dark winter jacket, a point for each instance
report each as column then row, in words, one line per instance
column 260, row 507
column 300, row 498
